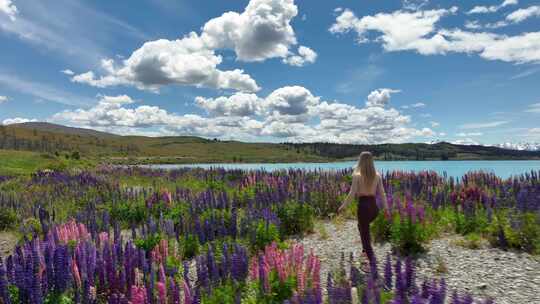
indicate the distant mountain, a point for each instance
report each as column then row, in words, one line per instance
column 58, row 139
column 520, row 146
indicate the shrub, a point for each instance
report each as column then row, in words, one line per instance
column 190, row 246
column 295, row 219
column 265, row 234
column 8, row 219
column 516, row 231
column 381, row 228
column 224, row 294
column 149, row 242
column 408, row 237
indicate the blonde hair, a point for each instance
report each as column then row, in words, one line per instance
column 366, row 167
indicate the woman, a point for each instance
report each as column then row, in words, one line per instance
column 366, row 182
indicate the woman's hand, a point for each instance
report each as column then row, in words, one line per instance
column 387, row 214
column 342, row 207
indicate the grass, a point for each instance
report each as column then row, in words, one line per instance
column 24, row 162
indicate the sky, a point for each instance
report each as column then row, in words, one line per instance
column 276, row 70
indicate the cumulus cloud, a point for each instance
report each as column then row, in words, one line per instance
column 239, row 104
column 417, row 31
column 3, row 99
column 522, row 14
column 492, row 8
column 380, row 97
column 290, row 113
column 185, row 61
column 16, row 120
column 305, row 55
column 262, row 31
column 9, row 9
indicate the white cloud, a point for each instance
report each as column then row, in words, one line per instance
column 417, row 31
column 522, row 14
column 239, row 104
column 533, row 108
column 186, row 61
column 465, row 141
column 414, row 105
column 492, row 8
column 290, row 100
column 16, row 120
column 305, row 56
column 483, row 125
column 468, row 134
column 260, row 32
column 42, row 91
column 290, row 113
column 3, row 99
column 434, row 124
column 414, row 4
column 380, row 97
column 9, row 9
column 67, row 72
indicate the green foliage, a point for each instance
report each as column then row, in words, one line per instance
column 381, row 228
column 265, row 233
column 54, row 298
column 131, row 213
column 13, row 292
column 295, row 219
column 520, row 231
column 190, row 246
column 8, row 218
column 476, row 222
column 279, row 291
column 149, row 242
column 224, row 294
column 408, row 237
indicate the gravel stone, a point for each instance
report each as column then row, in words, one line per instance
column 507, row 277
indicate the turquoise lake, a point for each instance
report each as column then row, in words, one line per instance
column 501, row 168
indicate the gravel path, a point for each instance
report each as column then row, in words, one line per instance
column 507, row 277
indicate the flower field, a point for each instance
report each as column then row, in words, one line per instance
column 132, row 235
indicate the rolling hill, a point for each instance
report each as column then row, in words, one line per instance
column 58, row 139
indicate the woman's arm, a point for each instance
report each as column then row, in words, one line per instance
column 382, row 193
column 352, row 193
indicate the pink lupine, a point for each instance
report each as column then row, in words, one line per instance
column 76, row 274
column 162, row 292
column 187, row 293
column 138, row 295
column 167, row 197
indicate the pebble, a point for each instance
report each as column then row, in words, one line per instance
column 506, row 277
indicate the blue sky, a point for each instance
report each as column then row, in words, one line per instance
column 276, row 70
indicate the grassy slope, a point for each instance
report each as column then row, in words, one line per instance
column 189, row 149
column 24, row 162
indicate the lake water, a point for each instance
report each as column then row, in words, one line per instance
column 502, row 168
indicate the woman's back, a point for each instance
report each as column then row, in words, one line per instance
column 364, row 186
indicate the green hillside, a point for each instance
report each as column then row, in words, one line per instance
column 57, row 140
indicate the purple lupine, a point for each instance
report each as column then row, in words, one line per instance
column 388, row 273
column 4, row 294
column 409, row 273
